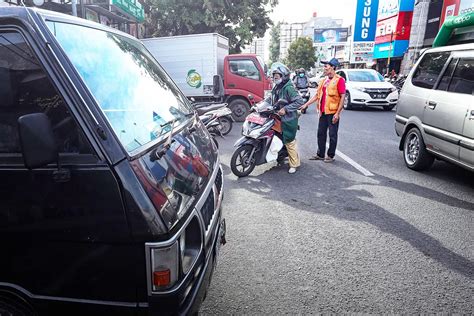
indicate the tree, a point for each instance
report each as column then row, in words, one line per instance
column 238, row 20
column 301, row 54
column 275, row 43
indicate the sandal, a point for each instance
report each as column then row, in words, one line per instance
column 316, row 157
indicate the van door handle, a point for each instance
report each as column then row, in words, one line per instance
column 231, row 85
column 432, row 105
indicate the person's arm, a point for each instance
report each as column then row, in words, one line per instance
column 295, row 101
column 341, row 89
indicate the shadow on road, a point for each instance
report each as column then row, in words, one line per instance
column 334, row 195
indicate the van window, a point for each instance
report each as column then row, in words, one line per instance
column 463, row 77
column 135, row 94
column 446, row 79
column 25, row 88
column 428, row 70
column 244, row 68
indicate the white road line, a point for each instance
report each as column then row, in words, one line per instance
column 354, row 164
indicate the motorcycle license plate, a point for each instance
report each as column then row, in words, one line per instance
column 255, row 118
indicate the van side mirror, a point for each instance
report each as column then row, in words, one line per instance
column 37, row 140
column 217, row 87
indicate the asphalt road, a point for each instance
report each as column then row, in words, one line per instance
column 330, row 239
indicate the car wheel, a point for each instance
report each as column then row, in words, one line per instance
column 414, row 151
column 347, row 101
column 388, row 107
column 240, row 109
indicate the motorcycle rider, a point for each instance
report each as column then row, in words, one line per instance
column 284, row 90
column 301, row 80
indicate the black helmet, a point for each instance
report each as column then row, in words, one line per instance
column 301, row 70
column 282, row 70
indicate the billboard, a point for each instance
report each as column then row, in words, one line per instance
column 393, row 26
column 433, row 21
column 331, row 35
column 387, row 9
column 365, row 20
column 456, row 7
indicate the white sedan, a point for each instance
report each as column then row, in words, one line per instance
column 367, row 88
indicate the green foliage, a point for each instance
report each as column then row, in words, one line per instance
column 275, row 43
column 301, row 54
column 239, row 20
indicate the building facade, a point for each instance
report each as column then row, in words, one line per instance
column 125, row 15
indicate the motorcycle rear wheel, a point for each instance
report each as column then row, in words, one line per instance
column 241, row 163
column 225, row 124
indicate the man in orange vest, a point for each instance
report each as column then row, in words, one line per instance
column 329, row 100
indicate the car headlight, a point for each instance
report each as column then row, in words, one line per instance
column 393, row 89
column 360, row 89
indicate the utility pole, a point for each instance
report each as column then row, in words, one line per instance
column 389, row 53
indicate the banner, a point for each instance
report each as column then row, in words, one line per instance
column 331, row 35
column 365, row 20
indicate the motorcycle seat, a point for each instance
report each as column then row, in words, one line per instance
column 212, row 107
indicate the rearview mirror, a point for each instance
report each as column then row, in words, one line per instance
column 37, row 140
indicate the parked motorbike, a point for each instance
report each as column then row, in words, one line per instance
column 305, row 94
column 217, row 117
column 398, row 83
column 262, row 139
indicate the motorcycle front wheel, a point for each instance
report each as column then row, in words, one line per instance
column 242, row 163
column 225, row 125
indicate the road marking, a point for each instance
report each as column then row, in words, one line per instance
column 354, row 164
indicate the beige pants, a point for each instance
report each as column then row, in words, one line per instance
column 293, row 157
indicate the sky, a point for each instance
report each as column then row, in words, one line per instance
column 302, row 10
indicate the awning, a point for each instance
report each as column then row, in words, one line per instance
column 107, row 13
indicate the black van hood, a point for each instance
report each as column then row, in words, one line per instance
column 175, row 181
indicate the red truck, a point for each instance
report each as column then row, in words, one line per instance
column 192, row 61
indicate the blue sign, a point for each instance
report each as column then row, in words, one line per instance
column 397, row 49
column 366, row 20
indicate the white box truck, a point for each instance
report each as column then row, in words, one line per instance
column 193, row 60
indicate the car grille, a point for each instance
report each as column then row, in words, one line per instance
column 219, row 181
column 378, row 93
column 207, row 210
column 210, row 205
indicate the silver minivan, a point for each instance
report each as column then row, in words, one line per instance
column 435, row 110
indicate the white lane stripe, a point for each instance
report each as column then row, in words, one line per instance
column 354, row 164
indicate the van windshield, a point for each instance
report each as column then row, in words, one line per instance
column 136, row 96
column 365, row 76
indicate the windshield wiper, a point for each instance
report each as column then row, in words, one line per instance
column 166, row 146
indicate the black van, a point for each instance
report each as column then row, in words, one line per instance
column 110, row 186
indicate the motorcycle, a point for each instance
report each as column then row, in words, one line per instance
column 398, row 83
column 217, row 117
column 262, row 139
column 305, row 94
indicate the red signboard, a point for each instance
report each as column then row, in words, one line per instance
column 450, row 8
column 394, row 28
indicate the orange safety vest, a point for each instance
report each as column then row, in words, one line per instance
column 332, row 95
